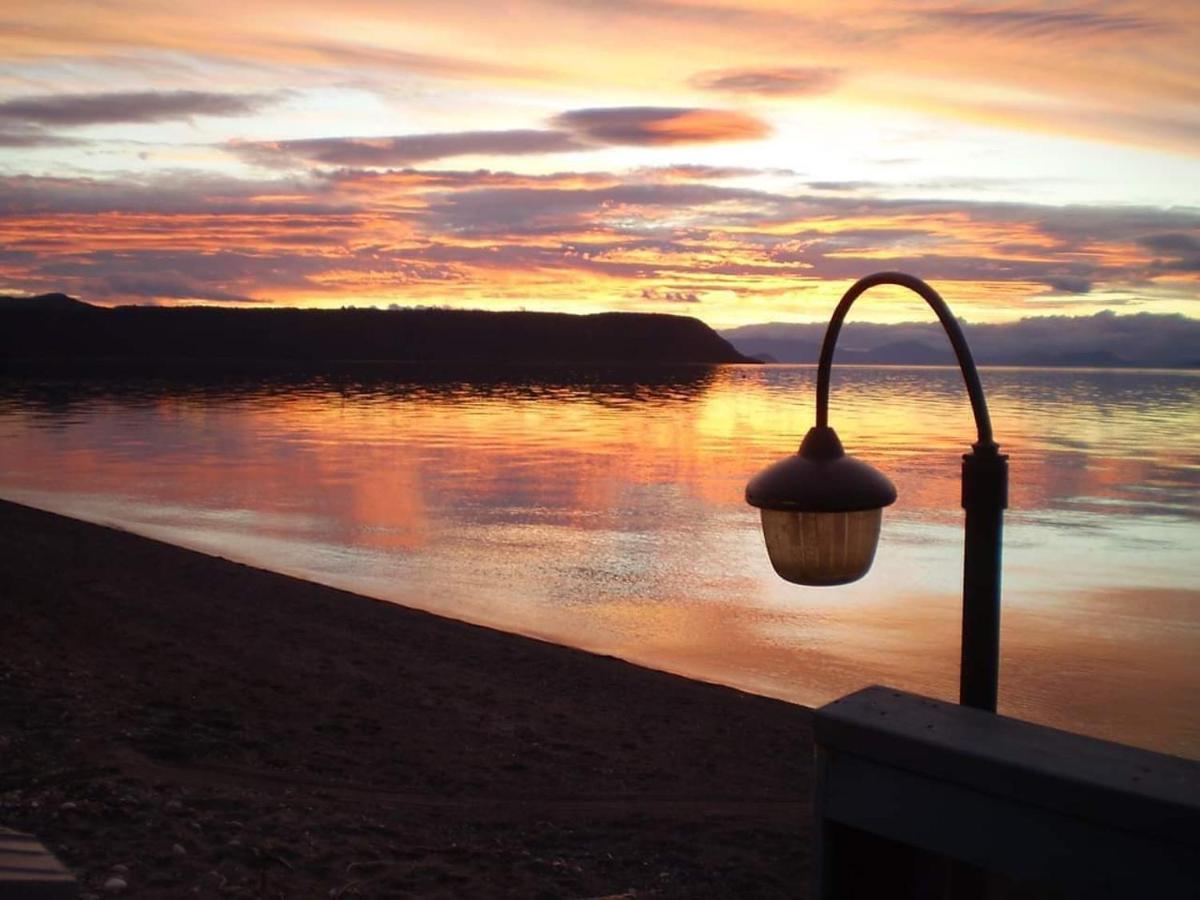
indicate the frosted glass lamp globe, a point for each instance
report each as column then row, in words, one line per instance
column 821, row 511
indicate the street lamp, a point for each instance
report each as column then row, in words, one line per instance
column 822, row 509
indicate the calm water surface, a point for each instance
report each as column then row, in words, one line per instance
column 605, row 511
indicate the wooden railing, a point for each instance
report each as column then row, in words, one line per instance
column 921, row 798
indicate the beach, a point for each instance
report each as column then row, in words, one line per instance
column 190, row 726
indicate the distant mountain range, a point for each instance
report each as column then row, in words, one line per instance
column 54, row 329
column 1105, row 339
column 58, row 329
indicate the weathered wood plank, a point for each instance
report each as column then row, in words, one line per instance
column 28, row 871
column 1079, row 816
column 1077, row 857
column 1124, row 787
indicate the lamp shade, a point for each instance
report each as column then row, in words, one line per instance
column 821, row 511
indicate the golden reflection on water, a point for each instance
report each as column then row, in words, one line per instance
column 604, row 510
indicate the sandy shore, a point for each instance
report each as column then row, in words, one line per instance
column 195, row 727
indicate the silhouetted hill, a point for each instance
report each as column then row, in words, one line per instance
column 1101, row 340
column 74, row 333
column 43, row 302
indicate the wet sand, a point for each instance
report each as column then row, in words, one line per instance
column 190, row 726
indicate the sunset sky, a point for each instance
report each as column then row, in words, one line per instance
column 736, row 161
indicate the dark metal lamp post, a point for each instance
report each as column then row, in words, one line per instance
column 822, row 509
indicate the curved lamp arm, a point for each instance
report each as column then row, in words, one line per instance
column 983, row 422
column 984, row 496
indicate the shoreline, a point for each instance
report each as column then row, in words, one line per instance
column 495, row 624
column 222, row 730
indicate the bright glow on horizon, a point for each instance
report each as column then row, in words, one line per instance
column 1025, row 159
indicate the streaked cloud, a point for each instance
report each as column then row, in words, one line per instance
column 498, row 211
column 577, row 130
column 71, row 110
column 392, row 59
column 683, row 172
column 1175, row 251
column 403, row 150
column 1040, row 23
column 463, row 236
column 178, row 193
column 661, row 125
column 771, row 82
column 33, row 137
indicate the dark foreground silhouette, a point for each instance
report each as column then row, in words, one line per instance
column 222, row 731
column 56, row 328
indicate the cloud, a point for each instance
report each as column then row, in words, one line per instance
column 720, row 15
column 502, row 211
column 1035, row 24
column 149, row 274
column 661, row 125
column 840, row 186
column 965, row 59
column 1173, row 243
column 1180, row 251
column 163, row 285
column 575, row 130
column 388, row 58
column 144, row 106
column 403, row 150
column 771, row 82
column 33, row 137
column 682, row 172
column 179, row 193
column 488, row 236
column 1067, row 284
column 375, row 181
column 408, row 178
column 657, row 295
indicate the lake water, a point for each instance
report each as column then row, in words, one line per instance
column 604, row 510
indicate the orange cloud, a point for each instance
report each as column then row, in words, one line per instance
column 654, row 126
column 646, row 239
column 1132, row 66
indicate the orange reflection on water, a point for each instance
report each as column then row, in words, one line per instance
column 605, row 511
